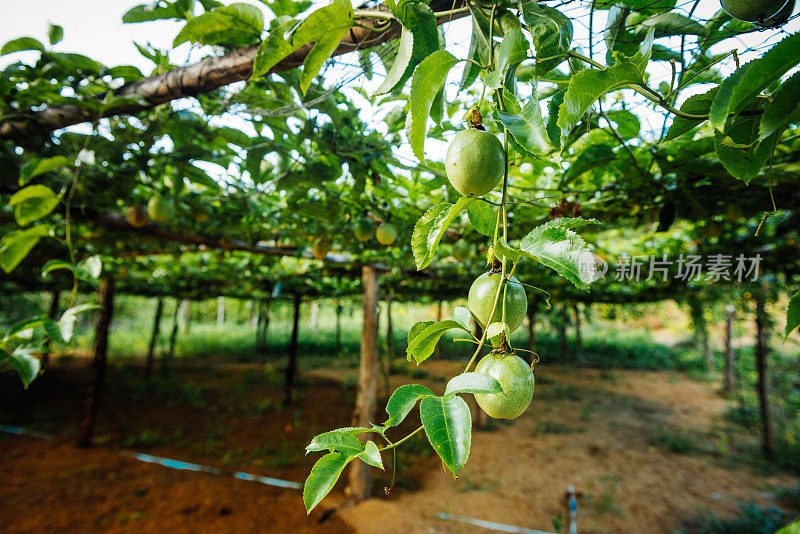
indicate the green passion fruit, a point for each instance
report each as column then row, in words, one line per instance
column 160, row 208
column 481, row 301
column 475, row 162
column 137, row 216
column 363, row 229
column 516, row 378
column 386, row 234
column 754, row 10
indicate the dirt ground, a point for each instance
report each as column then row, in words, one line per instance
column 645, row 450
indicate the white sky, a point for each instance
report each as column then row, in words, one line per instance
column 94, row 28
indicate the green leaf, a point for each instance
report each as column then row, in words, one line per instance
column 272, row 49
column 15, row 245
column 32, row 203
column 150, row 11
column 371, row 455
column 482, row 217
column 553, row 131
column 53, row 265
column 25, row 364
column 593, row 156
column 628, row 125
column 478, row 52
column 557, row 246
column 782, row 109
column 418, row 40
column 666, row 24
column 792, row 316
column 739, row 150
column 21, row 43
column 448, row 425
column 551, row 32
column 237, row 24
column 587, row 86
column 472, row 383
column 463, row 316
column 322, row 478
column 35, row 167
column 325, row 27
column 92, row 266
column 422, row 344
column 24, row 328
column 616, row 30
column 493, row 331
column 54, row 33
column 642, row 56
column 741, row 87
column 695, row 105
column 75, row 63
column 526, row 125
column 513, row 51
column 67, row 323
column 336, row 440
column 403, row 401
column 431, row 227
column 428, row 78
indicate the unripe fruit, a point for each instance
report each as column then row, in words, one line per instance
column 516, row 378
column 481, row 301
column 137, row 216
column 753, row 10
column 160, row 208
column 363, row 229
column 461, row 250
column 386, row 234
column 321, row 248
column 475, row 162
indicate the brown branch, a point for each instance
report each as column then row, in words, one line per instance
column 205, row 76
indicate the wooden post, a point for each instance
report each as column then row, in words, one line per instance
column 173, row 336
column 578, row 337
column 730, row 368
column 53, row 314
column 148, row 368
column 291, row 367
column 385, row 363
column 98, row 365
column 762, row 353
column 338, row 327
column 359, row 477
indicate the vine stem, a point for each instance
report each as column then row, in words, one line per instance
column 401, row 441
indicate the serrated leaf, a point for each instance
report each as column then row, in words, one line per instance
column 150, row 11
column 25, row 364
column 587, row 86
column 695, row 105
column 526, row 125
column 272, row 49
column 557, row 246
column 553, row 107
column 551, row 32
column 739, row 150
column 32, row 203
column 495, row 329
column 482, row 217
column 792, row 316
column 478, row 52
column 428, row 78
column 667, row 24
column 15, row 245
column 472, row 383
column 448, row 425
column 642, row 56
column 237, row 24
column 403, row 401
column 430, row 229
column 322, row 478
column 513, row 51
column 418, row 40
column 336, row 440
column 782, row 109
column 371, row 455
column 422, row 345
column 462, row 315
column 741, row 87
